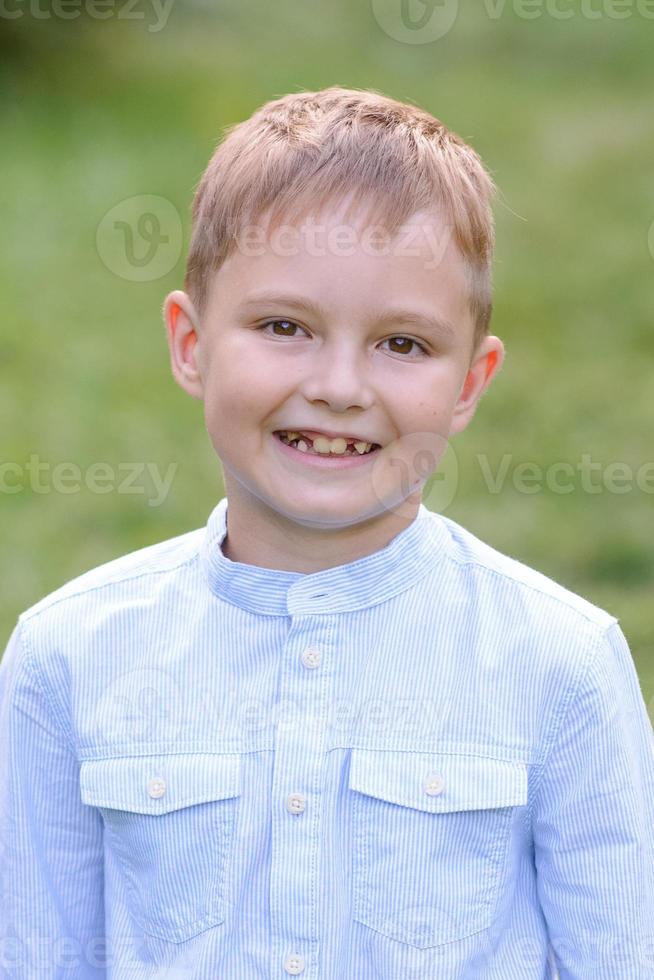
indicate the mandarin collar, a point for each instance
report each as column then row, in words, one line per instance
column 364, row 582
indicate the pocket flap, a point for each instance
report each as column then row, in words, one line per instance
column 159, row 783
column 438, row 782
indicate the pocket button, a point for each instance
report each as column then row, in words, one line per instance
column 434, row 784
column 159, row 812
column 437, row 826
column 156, row 788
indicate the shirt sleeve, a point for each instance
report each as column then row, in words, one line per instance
column 593, row 825
column 51, row 850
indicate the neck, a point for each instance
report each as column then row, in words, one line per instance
column 265, row 538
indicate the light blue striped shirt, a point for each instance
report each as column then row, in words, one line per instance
column 431, row 762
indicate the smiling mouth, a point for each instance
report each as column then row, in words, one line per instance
column 305, row 444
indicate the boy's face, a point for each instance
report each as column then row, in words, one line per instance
column 335, row 356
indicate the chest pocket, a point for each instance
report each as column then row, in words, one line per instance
column 170, row 821
column 431, row 835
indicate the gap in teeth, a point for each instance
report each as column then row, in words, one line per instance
column 349, row 450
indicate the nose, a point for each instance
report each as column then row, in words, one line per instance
column 338, row 376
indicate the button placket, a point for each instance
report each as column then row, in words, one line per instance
column 298, row 763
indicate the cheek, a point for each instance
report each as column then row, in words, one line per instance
column 242, row 367
column 235, row 399
column 432, row 410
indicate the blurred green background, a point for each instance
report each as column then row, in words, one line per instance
column 95, row 112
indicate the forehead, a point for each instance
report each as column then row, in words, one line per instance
column 349, row 259
column 343, row 227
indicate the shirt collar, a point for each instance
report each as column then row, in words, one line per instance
column 343, row 588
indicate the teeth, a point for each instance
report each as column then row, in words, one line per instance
column 325, row 446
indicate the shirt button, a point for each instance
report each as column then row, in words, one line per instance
column 295, row 803
column 434, row 785
column 311, row 657
column 156, row 788
column 294, row 964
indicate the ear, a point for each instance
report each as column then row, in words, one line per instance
column 486, row 362
column 182, row 325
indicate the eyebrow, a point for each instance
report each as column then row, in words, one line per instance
column 438, row 325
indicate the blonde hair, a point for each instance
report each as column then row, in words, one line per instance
column 308, row 149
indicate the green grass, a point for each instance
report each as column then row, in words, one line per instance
column 560, row 112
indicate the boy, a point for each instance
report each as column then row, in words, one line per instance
column 332, row 734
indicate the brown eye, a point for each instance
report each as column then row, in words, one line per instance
column 405, row 345
column 288, row 324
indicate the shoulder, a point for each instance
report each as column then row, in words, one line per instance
column 126, row 573
column 510, row 580
column 97, row 625
column 530, row 635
